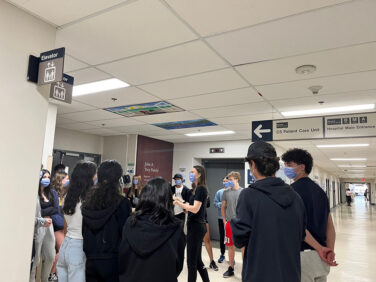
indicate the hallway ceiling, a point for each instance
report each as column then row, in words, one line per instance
column 212, row 58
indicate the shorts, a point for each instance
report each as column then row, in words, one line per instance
column 228, row 235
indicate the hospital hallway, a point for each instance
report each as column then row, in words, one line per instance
column 355, row 247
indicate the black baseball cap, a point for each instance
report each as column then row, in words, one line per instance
column 261, row 149
column 178, row 175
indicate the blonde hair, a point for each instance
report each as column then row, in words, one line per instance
column 235, row 175
column 139, row 186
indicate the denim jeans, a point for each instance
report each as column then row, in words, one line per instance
column 71, row 262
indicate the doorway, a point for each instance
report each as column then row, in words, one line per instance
column 216, row 170
column 70, row 159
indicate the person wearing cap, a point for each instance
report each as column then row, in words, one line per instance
column 270, row 221
column 182, row 192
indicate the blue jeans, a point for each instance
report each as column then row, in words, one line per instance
column 71, row 261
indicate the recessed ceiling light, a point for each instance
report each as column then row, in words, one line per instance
column 342, row 145
column 348, row 159
column 98, row 86
column 352, row 166
column 209, row 133
column 305, row 69
column 329, row 110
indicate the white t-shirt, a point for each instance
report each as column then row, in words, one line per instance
column 178, row 209
column 74, row 223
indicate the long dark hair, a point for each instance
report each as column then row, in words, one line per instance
column 47, row 190
column 156, row 201
column 107, row 192
column 202, row 179
column 80, row 183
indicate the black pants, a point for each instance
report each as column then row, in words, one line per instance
column 195, row 235
column 221, row 236
column 102, row 270
column 181, row 217
column 348, row 199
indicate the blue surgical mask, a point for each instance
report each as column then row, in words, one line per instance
column 135, row 181
column 66, row 183
column 45, row 182
column 230, row 183
column 177, row 181
column 226, row 184
column 289, row 172
column 192, row 177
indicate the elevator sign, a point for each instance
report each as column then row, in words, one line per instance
column 51, row 65
column 62, row 90
column 341, row 126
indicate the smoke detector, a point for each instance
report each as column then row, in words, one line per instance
column 315, row 89
column 305, row 69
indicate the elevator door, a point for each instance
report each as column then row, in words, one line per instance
column 216, row 170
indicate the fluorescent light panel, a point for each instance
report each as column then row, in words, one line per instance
column 352, row 166
column 329, row 110
column 348, row 159
column 209, row 133
column 98, row 86
column 342, row 145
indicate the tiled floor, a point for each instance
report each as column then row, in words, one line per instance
column 355, row 247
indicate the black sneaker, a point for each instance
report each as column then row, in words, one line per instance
column 221, row 259
column 213, row 265
column 229, row 272
column 53, row 277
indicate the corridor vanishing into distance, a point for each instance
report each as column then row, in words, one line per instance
column 355, row 247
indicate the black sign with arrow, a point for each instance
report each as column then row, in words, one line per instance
column 262, row 130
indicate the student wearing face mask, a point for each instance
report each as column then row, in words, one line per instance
column 179, row 190
column 218, row 204
column 45, row 239
column 134, row 192
column 196, row 225
column 320, row 231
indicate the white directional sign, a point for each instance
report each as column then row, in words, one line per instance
column 341, row 126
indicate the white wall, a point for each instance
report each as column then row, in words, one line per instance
column 23, row 114
column 71, row 140
column 115, row 148
column 49, row 136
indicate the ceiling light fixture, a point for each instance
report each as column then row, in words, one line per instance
column 329, row 110
column 352, row 166
column 98, row 86
column 305, row 69
column 348, row 159
column 209, row 133
column 342, row 145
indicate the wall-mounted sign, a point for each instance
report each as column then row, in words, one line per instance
column 145, row 109
column 51, row 66
column 62, row 90
column 341, row 126
column 185, row 124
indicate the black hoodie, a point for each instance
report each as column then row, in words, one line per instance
column 101, row 230
column 151, row 252
column 270, row 222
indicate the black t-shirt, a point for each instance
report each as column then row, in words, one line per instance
column 201, row 195
column 317, row 209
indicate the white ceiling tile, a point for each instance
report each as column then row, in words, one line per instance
column 123, row 96
column 63, row 12
column 60, row 120
column 235, row 110
column 90, row 115
column 88, row 75
column 215, row 81
column 101, row 131
column 301, row 34
column 136, row 128
column 244, row 95
column 199, row 129
column 335, row 84
column 242, row 119
column 331, row 62
column 71, row 64
column 215, row 16
column 117, row 122
column 141, row 26
column 74, row 107
column 77, row 126
column 169, row 117
column 190, row 58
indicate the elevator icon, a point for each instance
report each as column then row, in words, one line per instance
column 59, row 91
column 50, row 72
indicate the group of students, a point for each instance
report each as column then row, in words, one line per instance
column 277, row 226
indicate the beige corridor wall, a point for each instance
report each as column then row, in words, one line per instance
column 23, row 114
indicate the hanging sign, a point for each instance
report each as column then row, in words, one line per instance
column 51, row 66
column 62, row 90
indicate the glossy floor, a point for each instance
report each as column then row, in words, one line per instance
column 355, row 247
